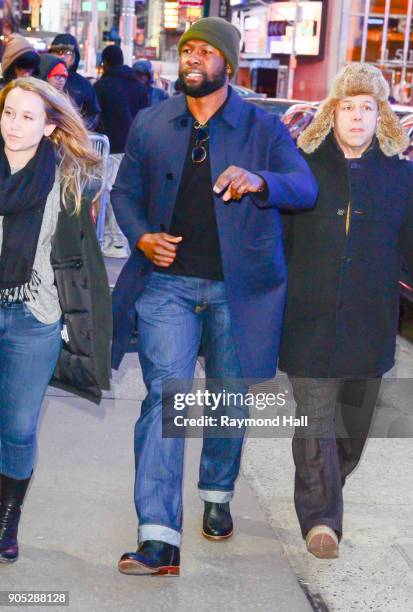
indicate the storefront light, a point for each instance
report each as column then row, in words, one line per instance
column 171, row 15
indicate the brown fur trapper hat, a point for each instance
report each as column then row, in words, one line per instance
column 354, row 79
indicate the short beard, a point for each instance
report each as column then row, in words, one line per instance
column 206, row 87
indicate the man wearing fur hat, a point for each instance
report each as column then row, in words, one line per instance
column 197, row 195
column 342, row 308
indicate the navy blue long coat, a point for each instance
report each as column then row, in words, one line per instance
column 249, row 230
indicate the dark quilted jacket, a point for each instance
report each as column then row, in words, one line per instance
column 82, row 284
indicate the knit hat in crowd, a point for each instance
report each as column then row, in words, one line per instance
column 58, row 70
column 220, row 34
column 112, row 55
column 48, row 64
column 17, row 47
column 357, row 78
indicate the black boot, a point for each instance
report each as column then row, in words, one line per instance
column 217, row 523
column 152, row 557
column 11, row 496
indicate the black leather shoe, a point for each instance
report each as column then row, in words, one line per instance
column 217, row 523
column 12, row 496
column 153, row 557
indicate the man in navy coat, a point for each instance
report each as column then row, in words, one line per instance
column 197, row 196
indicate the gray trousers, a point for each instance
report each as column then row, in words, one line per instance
column 340, row 412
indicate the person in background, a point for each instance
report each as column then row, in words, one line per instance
column 144, row 70
column 55, row 315
column 78, row 87
column 198, row 195
column 121, row 96
column 342, row 311
column 20, row 59
column 54, row 71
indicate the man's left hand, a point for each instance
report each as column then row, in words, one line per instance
column 237, row 183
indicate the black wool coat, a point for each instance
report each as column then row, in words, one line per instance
column 342, row 306
column 82, row 285
column 121, row 96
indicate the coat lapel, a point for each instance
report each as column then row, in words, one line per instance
column 224, row 148
column 178, row 135
column 222, row 142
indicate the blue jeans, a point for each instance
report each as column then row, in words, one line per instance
column 176, row 313
column 29, row 351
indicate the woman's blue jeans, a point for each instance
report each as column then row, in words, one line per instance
column 29, row 351
column 174, row 314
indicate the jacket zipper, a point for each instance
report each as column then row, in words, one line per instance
column 348, row 218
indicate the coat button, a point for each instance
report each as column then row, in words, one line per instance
column 169, row 176
column 346, row 260
column 341, row 211
column 354, row 165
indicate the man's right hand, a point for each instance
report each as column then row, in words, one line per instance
column 160, row 249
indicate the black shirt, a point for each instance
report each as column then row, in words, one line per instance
column 194, row 219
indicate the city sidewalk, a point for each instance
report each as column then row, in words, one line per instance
column 79, row 518
column 375, row 568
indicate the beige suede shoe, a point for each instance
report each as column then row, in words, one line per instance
column 322, row 542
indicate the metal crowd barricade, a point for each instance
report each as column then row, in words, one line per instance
column 100, row 143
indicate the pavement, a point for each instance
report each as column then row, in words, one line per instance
column 79, row 516
column 375, row 569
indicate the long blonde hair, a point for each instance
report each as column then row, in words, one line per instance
column 79, row 164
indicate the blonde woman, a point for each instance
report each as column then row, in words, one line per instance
column 55, row 319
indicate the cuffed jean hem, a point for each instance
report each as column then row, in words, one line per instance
column 217, row 497
column 160, row 533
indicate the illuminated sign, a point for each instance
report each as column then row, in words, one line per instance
column 223, row 8
column 191, row 3
column 193, row 13
column 171, row 15
column 35, row 18
column 281, row 19
column 255, row 32
column 87, row 6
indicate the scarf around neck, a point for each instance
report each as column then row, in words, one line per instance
column 23, row 197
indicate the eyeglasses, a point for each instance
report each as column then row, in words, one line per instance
column 61, row 53
column 199, row 152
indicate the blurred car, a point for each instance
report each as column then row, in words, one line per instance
column 297, row 116
column 167, row 83
column 402, row 110
column 274, row 106
column 244, row 92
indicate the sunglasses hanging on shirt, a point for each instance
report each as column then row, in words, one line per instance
column 199, row 152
